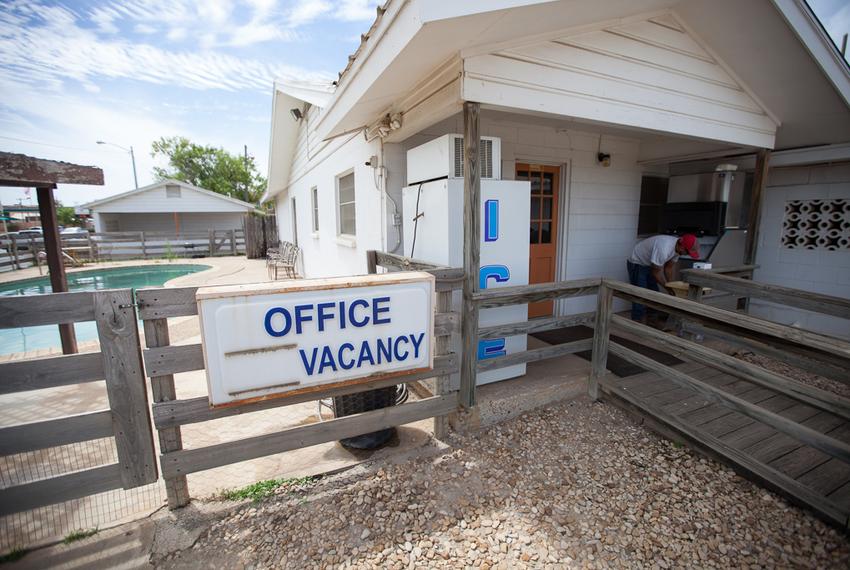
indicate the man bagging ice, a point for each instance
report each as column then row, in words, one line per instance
column 651, row 264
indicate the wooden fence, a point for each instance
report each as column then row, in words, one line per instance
column 113, row 246
column 781, row 338
column 163, row 361
column 799, row 356
column 118, row 363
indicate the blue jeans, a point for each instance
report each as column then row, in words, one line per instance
column 640, row 275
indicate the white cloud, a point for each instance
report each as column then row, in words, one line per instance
column 306, row 11
column 51, row 46
column 355, row 10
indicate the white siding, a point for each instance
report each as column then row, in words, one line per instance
column 815, row 270
column 156, row 200
column 323, row 253
column 601, row 203
column 650, row 74
column 161, row 222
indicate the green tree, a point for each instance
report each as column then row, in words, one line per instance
column 209, row 167
column 66, row 216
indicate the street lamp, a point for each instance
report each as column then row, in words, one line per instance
column 132, row 158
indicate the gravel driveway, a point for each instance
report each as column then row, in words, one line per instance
column 572, row 485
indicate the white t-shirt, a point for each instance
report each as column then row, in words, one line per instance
column 655, row 250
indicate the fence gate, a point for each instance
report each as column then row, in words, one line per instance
column 125, row 456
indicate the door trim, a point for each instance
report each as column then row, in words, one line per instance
column 563, row 218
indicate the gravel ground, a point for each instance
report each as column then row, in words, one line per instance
column 572, row 485
column 780, row 367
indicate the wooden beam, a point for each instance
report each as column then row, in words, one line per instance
column 601, row 340
column 798, row 298
column 471, row 253
column 53, row 249
column 535, row 354
column 59, row 489
column 830, row 346
column 519, row 294
column 118, row 331
column 536, row 325
column 53, row 433
column 826, row 444
column 163, row 390
column 688, row 350
column 756, row 199
column 41, row 373
column 192, row 460
column 194, row 410
column 23, row 170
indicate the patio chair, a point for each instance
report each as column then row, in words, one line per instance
column 282, row 265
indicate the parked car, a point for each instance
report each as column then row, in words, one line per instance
column 74, row 232
column 30, row 232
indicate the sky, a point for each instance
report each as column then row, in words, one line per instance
column 131, row 71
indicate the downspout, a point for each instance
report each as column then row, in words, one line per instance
column 383, row 189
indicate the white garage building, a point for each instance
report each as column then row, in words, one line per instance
column 168, row 206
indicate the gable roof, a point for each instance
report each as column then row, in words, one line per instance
column 776, row 47
column 161, row 184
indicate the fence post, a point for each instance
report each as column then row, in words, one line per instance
column 15, row 252
column 471, row 254
column 212, row 242
column 232, row 234
column 34, row 253
column 599, row 362
column 443, row 383
column 91, row 247
column 162, row 388
column 144, row 247
column 115, row 315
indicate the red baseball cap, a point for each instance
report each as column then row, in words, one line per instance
column 690, row 243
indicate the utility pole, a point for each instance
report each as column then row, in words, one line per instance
column 245, row 190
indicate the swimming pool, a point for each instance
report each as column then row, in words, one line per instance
column 136, row 277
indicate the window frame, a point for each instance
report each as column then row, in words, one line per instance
column 314, row 208
column 339, row 205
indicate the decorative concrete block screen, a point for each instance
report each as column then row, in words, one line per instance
column 816, row 224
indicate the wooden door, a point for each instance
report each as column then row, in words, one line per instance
column 543, row 231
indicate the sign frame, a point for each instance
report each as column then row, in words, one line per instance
column 307, row 285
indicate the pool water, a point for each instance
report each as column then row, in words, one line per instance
column 47, row 336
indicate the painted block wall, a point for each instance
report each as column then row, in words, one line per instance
column 817, row 270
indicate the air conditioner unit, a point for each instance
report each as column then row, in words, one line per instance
column 443, row 158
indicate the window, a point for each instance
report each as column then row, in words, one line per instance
column 346, row 224
column 653, row 196
column 172, row 191
column 314, row 198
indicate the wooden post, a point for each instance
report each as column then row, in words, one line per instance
column 52, row 246
column 371, row 262
column 443, row 383
column 212, row 242
column 599, row 362
column 144, row 247
column 162, row 388
column 34, row 252
column 471, row 254
column 118, row 332
column 757, row 197
column 91, row 247
column 232, row 242
column 15, row 252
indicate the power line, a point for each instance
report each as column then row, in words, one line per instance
column 47, row 144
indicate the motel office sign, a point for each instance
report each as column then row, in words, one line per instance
column 276, row 339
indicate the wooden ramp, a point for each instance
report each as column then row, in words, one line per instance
column 780, row 462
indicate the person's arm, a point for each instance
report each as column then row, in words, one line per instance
column 668, row 270
column 662, row 275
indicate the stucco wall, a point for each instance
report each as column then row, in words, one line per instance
column 817, row 270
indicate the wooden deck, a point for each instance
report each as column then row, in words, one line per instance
column 803, row 474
